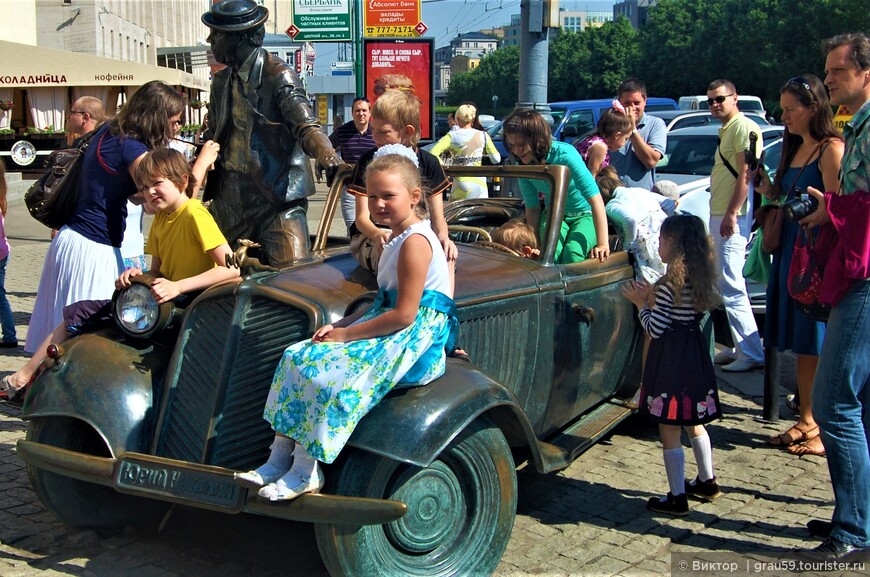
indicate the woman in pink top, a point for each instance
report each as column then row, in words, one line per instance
column 9, row 338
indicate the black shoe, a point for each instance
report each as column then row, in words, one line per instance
column 833, row 549
column 704, row 490
column 819, row 528
column 677, row 505
column 8, row 344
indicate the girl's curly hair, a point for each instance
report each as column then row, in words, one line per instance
column 691, row 259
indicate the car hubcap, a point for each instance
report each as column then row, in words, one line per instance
column 435, row 506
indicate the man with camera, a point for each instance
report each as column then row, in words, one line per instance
column 841, row 389
column 729, row 224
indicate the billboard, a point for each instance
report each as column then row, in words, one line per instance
column 402, row 64
column 393, row 18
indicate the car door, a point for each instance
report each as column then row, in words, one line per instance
column 595, row 333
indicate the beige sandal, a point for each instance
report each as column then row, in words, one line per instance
column 783, row 439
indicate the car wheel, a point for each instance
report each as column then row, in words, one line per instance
column 79, row 503
column 461, row 510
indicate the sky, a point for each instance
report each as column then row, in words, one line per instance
column 448, row 18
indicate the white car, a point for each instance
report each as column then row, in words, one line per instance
column 688, row 161
column 675, row 119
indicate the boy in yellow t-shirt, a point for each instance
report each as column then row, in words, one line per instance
column 180, row 227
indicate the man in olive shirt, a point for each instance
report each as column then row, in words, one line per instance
column 729, row 225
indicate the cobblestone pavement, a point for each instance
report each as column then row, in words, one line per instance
column 587, row 520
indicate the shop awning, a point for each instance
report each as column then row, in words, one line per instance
column 23, row 66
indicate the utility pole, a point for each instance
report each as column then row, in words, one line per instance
column 536, row 17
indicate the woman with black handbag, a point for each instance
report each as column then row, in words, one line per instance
column 811, row 154
column 84, row 258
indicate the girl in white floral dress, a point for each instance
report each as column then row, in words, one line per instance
column 324, row 386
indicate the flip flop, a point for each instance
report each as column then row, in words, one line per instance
column 784, row 440
column 804, row 448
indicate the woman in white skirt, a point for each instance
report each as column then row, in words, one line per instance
column 84, row 258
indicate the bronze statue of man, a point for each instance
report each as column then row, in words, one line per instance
column 259, row 113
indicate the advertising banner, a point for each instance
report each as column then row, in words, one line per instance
column 402, row 64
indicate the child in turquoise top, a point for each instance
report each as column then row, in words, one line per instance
column 583, row 235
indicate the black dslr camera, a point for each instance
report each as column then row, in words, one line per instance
column 801, row 206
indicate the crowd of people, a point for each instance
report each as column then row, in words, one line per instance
column 394, row 209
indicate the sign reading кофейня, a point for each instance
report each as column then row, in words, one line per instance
column 320, row 20
column 392, row 18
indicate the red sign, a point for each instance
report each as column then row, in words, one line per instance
column 421, row 28
column 292, row 31
column 298, row 58
column 403, row 64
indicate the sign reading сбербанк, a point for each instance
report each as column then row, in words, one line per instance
column 320, row 20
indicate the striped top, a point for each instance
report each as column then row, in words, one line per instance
column 350, row 143
column 665, row 313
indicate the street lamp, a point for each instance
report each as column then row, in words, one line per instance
column 494, row 103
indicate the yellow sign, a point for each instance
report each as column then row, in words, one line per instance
column 841, row 118
column 393, row 18
column 322, row 109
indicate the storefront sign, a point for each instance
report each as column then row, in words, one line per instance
column 320, row 20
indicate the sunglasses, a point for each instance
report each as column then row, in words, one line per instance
column 719, row 99
column 800, row 82
column 71, row 112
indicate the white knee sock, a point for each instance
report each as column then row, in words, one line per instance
column 675, row 468
column 703, row 455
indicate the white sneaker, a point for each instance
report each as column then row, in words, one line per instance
column 741, row 366
column 293, row 485
column 724, row 357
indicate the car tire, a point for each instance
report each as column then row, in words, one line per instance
column 79, row 503
column 461, row 510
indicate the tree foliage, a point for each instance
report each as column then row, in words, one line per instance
column 757, row 44
column 497, row 75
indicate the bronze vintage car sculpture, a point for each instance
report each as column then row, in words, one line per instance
column 121, row 426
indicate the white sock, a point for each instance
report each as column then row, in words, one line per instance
column 303, row 463
column 279, row 458
column 675, row 468
column 703, row 455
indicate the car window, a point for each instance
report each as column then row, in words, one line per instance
column 689, row 155
column 579, row 122
column 686, row 121
column 654, row 107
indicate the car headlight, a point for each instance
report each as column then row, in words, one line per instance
column 136, row 311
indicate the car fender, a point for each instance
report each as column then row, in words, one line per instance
column 414, row 424
column 106, row 382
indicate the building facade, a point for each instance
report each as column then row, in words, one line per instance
column 636, row 11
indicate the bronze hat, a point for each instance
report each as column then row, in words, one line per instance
column 235, row 16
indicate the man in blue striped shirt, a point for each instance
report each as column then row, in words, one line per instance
column 351, row 140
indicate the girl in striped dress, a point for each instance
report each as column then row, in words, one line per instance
column 324, row 386
column 679, row 387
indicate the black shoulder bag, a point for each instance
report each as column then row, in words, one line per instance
column 52, row 199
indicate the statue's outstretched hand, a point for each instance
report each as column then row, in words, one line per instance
column 330, row 162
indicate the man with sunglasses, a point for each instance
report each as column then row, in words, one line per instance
column 259, row 114
column 730, row 225
column 636, row 161
column 841, row 388
column 352, row 139
column 84, row 116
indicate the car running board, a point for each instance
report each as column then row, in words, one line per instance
column 561, row 451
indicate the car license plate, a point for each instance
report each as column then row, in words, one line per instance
column 186, row 483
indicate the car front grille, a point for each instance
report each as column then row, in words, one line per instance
column 214, row 413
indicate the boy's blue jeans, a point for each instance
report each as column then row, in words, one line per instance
column 6, row 319
column 841, row 406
